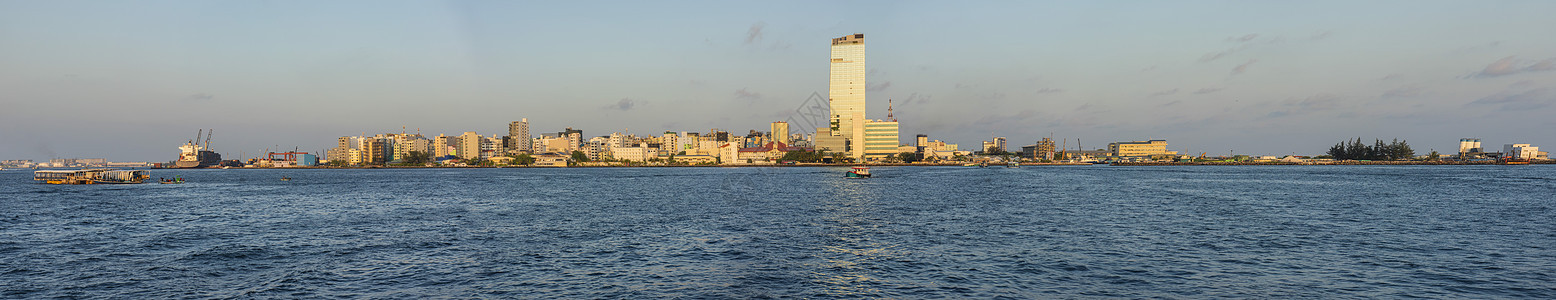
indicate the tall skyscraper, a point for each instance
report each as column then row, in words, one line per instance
column 518, row 134
column 846, row 96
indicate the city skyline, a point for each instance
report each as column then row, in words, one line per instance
column 131, row 81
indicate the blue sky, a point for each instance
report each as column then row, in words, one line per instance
column 132, row 80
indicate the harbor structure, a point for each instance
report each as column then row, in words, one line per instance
column 1520, row 151
column 1042, row 150
column 1469, row 147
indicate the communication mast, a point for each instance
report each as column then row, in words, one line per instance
column 889, row 116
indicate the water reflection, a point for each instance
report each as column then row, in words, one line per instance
column 851, row 222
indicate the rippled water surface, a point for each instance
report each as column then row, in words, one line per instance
column 913, row 232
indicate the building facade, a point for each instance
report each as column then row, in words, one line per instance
column 518, row 136
column 881, row 139
column 1140, row 148
column 846, row 96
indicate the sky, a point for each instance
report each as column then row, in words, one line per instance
column 133, row 80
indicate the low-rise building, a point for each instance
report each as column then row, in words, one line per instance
column 551, row 160
column 1520, row 151
column 695, row 159
column 1140, row 148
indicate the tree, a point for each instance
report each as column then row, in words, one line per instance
column 337, row 163
column 579, row 156
column 806, row 156
column 524, row 159
column 416, row 158
column 908, row 157
column 1356, row 150
column 995, row 150
column 1433, row 156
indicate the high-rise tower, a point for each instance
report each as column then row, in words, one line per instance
column 518, row 136
column 846, row 96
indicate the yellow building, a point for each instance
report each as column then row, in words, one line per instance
column 1140, row 148
column 780, row 132
column 880, row 139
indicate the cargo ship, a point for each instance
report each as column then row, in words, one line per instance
column 193, row 154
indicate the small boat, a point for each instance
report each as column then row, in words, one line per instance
column 91, row 176
column 858, row 172
column 1013, row 165
column 1514, row 161
column 284, row 178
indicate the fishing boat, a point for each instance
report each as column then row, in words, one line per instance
column 858, row 172
column 1013, row 164
column 284, row 178
column 91, row 176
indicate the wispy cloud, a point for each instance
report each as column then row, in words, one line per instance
column 1203, row 91
column 1049, row 90
column 877, row 87
column 625, row 104
column 744, row 94
column 1243, row 67
column 1242, row 39
column 1321, row 35
column 1315, row 103
column 1218, row 55
column 199, row 97
column 1511, row 65
column 1164, row 93
column 754, row 35
column 916, row 98
column 1526, row 100
column 1404, row 92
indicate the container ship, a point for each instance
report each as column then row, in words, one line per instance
column 196, row 155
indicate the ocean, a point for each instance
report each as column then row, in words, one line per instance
column 1184, row 232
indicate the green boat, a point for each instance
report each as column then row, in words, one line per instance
column 859, row 172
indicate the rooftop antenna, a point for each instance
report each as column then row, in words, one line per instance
column 889, row 116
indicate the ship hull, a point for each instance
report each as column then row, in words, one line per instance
column 206, row 159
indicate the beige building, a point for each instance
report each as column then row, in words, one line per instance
column 880, row 139
column 640, row 153
column 695, row 159
column 1140, row 148
column 518, row 136
column 551, row 160
column 780, row 132
column 469, row 145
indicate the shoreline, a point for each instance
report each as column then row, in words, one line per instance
column 1121, row 164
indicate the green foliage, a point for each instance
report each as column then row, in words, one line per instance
column 579, row 156
column 804, row 156
column 996, row 151
column 524, row 159
column 1434, row 156
column 908, row 157
column 337, row 163
column 1356, row 150
column 416, row 158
